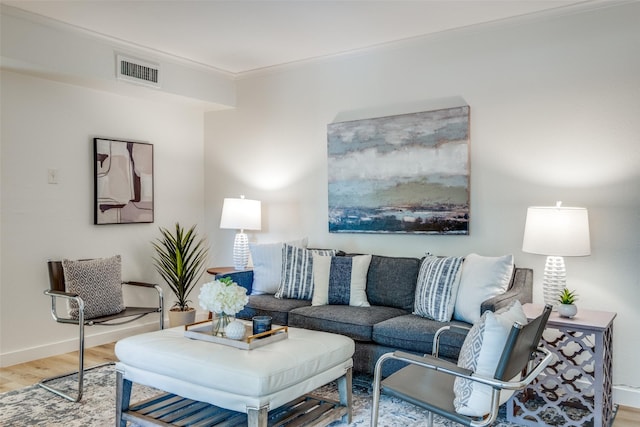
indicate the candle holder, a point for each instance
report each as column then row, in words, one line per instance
column 261, row 324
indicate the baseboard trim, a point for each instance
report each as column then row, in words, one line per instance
column 94, row 335
column 626, row 396
column 92, row 339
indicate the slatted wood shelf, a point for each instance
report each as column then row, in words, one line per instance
column 170, row 410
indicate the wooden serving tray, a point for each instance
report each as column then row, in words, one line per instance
column 202, row 331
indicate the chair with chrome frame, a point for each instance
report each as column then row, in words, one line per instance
column 428, row 382
column 80, row 315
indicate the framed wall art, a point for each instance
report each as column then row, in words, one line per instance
column 123, row 181
column 400, row 174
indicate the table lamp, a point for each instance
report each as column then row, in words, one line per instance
column 241, row 214
column 556, row 231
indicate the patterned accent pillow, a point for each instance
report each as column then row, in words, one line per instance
column 481, row 353
column 437, row 287
column 267, row 265
column 297, row 272
column 98, row 282
column 340, row 280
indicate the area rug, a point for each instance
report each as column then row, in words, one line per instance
column 34, row 406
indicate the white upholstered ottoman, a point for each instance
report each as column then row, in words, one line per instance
column 250, row 381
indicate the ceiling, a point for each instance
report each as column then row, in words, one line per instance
column 239, row 36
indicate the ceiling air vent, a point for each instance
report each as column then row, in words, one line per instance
column 138, row 71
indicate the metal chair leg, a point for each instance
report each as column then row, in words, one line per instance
column 161, row 303
column 80, row 370
column 377, row 377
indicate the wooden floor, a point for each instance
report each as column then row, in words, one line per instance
column 25, row 374
column 627, row 417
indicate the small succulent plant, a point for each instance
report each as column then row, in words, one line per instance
column 568, row 297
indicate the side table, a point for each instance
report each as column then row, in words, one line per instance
column 575, row 390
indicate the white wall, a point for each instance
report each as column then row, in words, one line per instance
column 50, row 125
column 46, row 47
column 554, row 116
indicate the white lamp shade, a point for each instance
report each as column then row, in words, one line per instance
column 241, row 214
column 557, row 231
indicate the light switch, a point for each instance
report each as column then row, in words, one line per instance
column 52, row 176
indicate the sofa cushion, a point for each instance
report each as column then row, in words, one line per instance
column 415, row 333
column 98, row 282
column 267, row 265
column 297, row 271
column 340, row 280
column 391, row 281
column 268, row 305
column 480, row 353
column 482, row 278
column 354, row 322
column 437, row 287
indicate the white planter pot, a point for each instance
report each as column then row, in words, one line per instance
column 567, row 310
column 180, row 318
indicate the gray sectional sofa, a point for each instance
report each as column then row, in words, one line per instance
column 388, row 324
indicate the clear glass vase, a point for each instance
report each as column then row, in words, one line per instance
column 219, row 323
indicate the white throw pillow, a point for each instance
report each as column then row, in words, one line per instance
column 481, row 352
column 482, row 278
column 340, row 280
column 267, row 265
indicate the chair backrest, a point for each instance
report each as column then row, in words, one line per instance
column 521, row 345
column 56, row 276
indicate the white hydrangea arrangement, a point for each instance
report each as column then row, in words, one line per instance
column 223, row 296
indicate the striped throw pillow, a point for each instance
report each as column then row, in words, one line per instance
column 297, row 272
column 437, row 287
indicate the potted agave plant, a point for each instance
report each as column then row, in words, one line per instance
column 567, row 307
column 180, row 259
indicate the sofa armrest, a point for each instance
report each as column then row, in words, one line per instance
column 521, row 288
column 243, row 278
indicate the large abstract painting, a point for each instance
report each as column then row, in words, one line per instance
column 400, row 174
column 123, row 181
